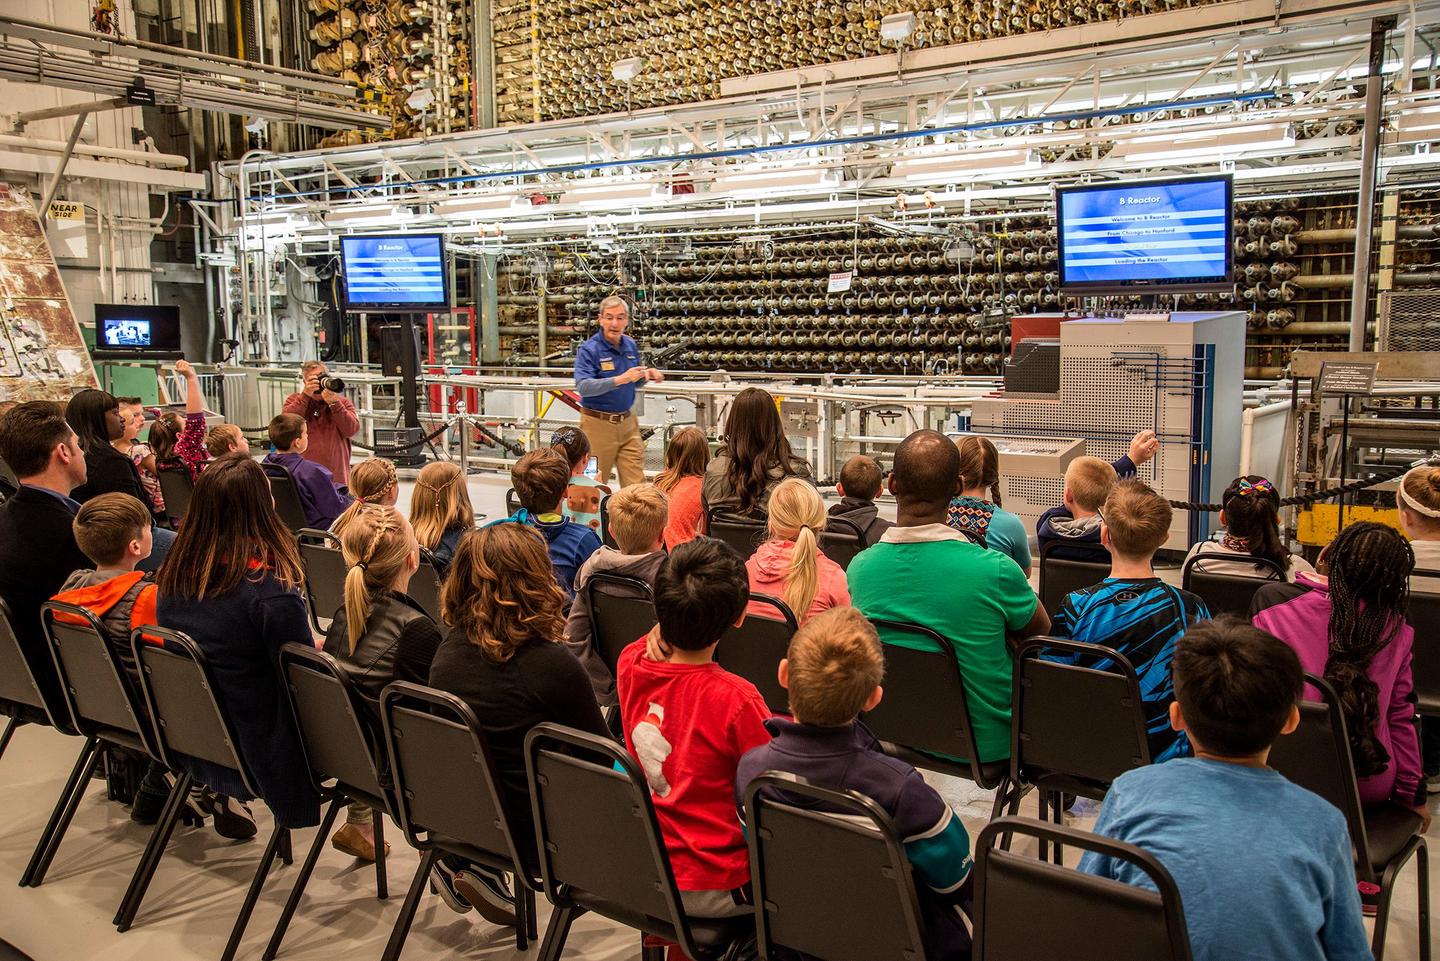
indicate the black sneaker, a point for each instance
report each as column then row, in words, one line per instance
column 233, row 819
column 442, row 882
column 489, row 893
column 147, row 807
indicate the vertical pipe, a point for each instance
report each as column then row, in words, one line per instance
column 542, row 318
column 1365, row 202
column 486, row 298
column 483, row 62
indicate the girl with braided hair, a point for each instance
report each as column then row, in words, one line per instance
column 440, row 510
column 372, row 481
column 1250, row 517
column 380, row 634
column 1348, row 624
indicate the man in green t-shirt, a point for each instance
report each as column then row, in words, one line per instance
column 927, row 573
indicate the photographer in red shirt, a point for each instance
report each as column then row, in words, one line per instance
column 330, row 420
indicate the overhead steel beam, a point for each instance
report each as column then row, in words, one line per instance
column 70, row 110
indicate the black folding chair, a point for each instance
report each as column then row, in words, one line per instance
column 449, row 799
column 22, row 699
column 802, row 838
column 1061, row 575
column 325, row 572
column 426, row 585
column 1224, row 591
column 177, row 488
column 343, row 751
column 926, row 722
column 1384, row 837
column 512, row 502
column 601, row 848
column 755, row 649
column 1075, row 728
column 622, row 610
column 187, row 722
column 745, row 534
column 1424, row 616
column 1027, row 908
column 606, row 537
column 841, row 540
column 287, row 497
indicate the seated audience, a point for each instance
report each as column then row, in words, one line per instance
column 581, row 503
column 181, row 442
column 141, row 454
column 1134, row 612
column 977, row 507
column 503, row 657
column 859, row 485
column 1251, row 522
column 95, row 417
column 233, row 584
column 925, row 572
column 755, row 458
column 373, row 483
column 1076, row 523
column 790, row 564
column 686, row 458
column 226, row 439
column 637, row 522
column 1418, row 500
column 1264, row 867
column 379, row 634
column 833, row 672
column 688, row 722
column 440, row 511
column 321, row 498
column 1348, row 625
column 540, row 479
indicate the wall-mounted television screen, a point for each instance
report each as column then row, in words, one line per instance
column 137, row 330
column 394, row 272
column 1153, row 236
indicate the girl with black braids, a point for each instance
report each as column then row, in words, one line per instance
column 1251, row 521
column 1348, row 624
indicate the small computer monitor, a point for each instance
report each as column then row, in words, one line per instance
column 137, row 330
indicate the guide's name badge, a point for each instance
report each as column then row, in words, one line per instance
column 607, row 365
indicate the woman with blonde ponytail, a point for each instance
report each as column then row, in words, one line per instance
column 790, row 564
column 379, row 634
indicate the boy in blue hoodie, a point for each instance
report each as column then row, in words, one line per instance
column 833, row 672
column 322, row 499
column 1088, row 481
column 540, row 479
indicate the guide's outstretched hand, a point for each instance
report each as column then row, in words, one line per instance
column 1143, row 446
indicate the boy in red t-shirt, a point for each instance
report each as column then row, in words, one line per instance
column 688, row 722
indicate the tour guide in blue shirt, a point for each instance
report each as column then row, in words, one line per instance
column 607, row 374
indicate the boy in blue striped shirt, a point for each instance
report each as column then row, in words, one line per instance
column 833, row 672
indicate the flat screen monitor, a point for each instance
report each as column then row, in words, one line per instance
column 137, row 330
column 1154, row 236
column 399, row 272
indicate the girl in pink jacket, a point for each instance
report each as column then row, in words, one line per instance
column 790, row 565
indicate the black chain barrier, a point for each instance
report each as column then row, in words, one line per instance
column 1312, row 497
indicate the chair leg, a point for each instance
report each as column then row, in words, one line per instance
column 522, row 922
column 652, row 953
column 557, row 931
column 1057, row 809
column 60, row 817
column 533, row 925
column 293, row 901
column 1422, row 864
column 154, row 851
column 284, row 850
column 253, row 895
column 1043, row 814
column 407, row 910
column 382, row 882
column 9, row 732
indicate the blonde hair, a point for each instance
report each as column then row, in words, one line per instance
column 637, row 516
column 835, row 665
column 1419, row 494
column 1137, row 518
column 440, row 502
column 377, row 544
column 221, row 438
column 370, row 481
column 798, row 514
column 1089, row 480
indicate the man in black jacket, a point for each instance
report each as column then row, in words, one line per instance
column 37, row 541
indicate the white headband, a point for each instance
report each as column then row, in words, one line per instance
column 1411, row 503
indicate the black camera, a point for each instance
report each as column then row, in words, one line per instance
column 333, row 384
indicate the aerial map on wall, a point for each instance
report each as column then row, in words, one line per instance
column 42, row 355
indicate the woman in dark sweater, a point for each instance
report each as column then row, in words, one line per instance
column 504, row 657
column 756, row 457
column 232, row 583
column 380, row 634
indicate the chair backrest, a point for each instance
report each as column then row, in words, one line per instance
column 841, row 540
column 579, row 781
column 425, row 586
column 443, row 772
column 287, row 497
column 1228, row 592
column 933, row 715
column 606, row 537
column 339, row 740
column 96, row 687
column 797, row 851
column 622, row 610
column 324, row 571
column 17, row 680
column 512, row 502
column 755, row 648
column 1026, row 908
column 179, row 693
column 745, row 534
column 1424, row 616
column 1083, row 722
column 1316, row 756
column 177, row 488
column 1060, row 575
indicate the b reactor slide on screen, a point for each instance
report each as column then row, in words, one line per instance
column 1161, row 236
column 403, row 271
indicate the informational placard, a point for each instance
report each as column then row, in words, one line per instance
column 65, row 210
column 840, row 282
column 1348, row 376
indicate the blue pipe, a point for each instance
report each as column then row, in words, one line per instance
column 808, row 145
